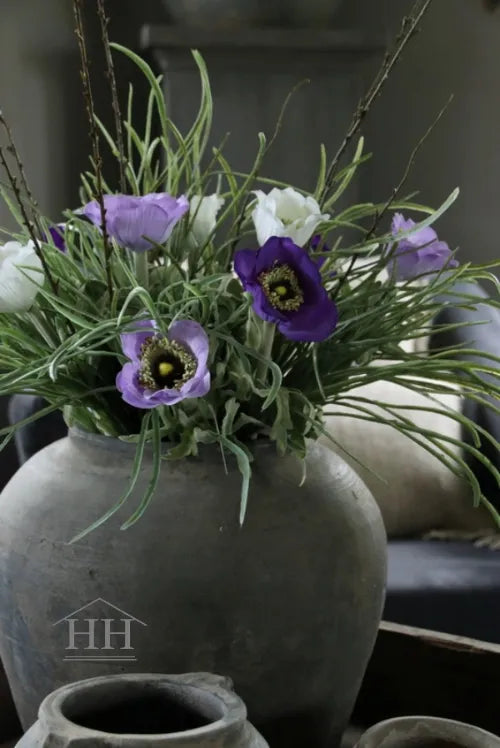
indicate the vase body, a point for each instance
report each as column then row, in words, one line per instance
column 426, row 732
column 196, row 710
column 241, row 14
column 287, row 605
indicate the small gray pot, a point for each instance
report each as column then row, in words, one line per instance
column 426, row 732
column 234, row 14
column 197, row 710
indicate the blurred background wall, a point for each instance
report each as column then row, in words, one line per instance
column 40, row 88
column 458, row 52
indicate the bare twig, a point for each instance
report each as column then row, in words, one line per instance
column 110, row 74
column 94, row 134
column 27, row 221
column 11, row 147
column 396, row 190
column 408, row 28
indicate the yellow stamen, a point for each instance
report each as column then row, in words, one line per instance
column 165, row 368
column 281, row 286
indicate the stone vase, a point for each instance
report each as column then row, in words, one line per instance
column 287, row 605
column 197, row 710
column 240, row 14
column 426, row 732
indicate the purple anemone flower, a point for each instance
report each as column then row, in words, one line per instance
column 164, row 369
column 418, row 254
column 139, row 222
column 57, row 235
column 287, row 289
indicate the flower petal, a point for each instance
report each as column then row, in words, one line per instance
column 131, row 227
column 127, row 383
column 203, row 213
column 311, row 323
column 133, row 221
column 266, row 223
column 400, row 224
column 92, row 211
column 167, row 202
column 21, row 275
column 132, row 342
column 57, row 236
column 419, row 253
column 191, row 335
column 196, row 387
column 291, row 204
column 281, row 250
column 435, row 257
column 245, row 265
column 300, row 233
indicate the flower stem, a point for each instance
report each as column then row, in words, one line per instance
column 141, row 269
column 266, row 349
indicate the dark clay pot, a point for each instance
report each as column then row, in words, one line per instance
column 288, row 605
column 197, row 710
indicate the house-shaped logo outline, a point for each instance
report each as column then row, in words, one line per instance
column 124, row 616
column 103, row 601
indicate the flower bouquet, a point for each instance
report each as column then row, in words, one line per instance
column 197, row 325
column 192, row 304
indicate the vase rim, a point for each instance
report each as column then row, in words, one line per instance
column 233, row 710
column 101, row 440
column 115, row 443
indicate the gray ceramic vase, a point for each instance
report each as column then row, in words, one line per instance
column 426, row 732
column 240, row 14
column 197, row 710
column 288, row 605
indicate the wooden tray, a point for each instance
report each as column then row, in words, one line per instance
column 416, row 671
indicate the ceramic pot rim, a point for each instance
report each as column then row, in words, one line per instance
column 234, row 712
column 411, row 720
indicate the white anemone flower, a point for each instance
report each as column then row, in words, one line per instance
column 286, row 213
column 21, row 274
column 203, row 215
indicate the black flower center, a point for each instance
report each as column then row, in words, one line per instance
column 282, row 288
column 165, row 364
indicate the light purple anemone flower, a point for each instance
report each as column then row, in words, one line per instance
column 164, row 369
column 139, row 222
column 418, row 254
column 287, row 289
